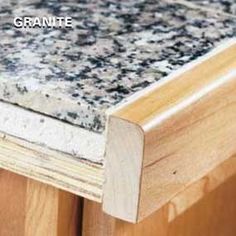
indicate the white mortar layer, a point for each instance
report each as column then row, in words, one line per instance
column 51, row 133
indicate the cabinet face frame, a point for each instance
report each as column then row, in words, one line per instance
column 28, row 207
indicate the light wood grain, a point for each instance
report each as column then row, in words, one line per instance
column 28, row 208
column 69, row 214
column 164, row 140
column 96, row 222
column 199, row 189
column 47, row 166
column 12, row 204
column 213, row 215
column 207, row 208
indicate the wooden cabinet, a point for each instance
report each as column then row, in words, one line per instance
column 30, row 208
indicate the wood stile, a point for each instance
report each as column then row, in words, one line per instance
column 167, row 138
column 31, row 208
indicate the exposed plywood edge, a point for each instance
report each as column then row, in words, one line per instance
column 52, row 133
column 188, row 127
column 59, row 170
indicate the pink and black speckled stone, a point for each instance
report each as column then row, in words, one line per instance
column 115, row 49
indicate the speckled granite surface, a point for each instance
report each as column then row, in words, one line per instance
column 226, row 6
column 114, row 50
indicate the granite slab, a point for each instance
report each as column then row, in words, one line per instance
column 71, row 78
column 114, row 50
column 226, row 6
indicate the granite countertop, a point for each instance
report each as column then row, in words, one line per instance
column 225, row 6
column 114, row 50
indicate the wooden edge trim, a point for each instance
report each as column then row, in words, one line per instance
column 125, row 151
column 154, row 141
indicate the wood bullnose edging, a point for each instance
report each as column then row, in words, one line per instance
column 171, row 135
